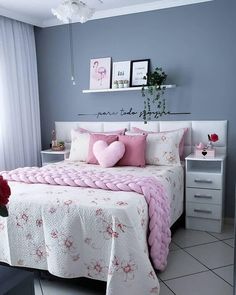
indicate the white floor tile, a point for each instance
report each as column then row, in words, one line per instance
column 227, row 232
column 205, row 283
column 186, row 238
column 67, row 288
column 230, row 242
column 226, row 273
column 213, row 255
column 165, row 290
column 180, row 264
column 173, row 246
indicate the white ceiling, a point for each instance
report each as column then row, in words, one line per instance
column 38, row 12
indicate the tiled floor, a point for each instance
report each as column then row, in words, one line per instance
column 199, row 263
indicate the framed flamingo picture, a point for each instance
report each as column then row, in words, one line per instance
column 100, row 73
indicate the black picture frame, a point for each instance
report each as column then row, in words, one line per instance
column 139, row 69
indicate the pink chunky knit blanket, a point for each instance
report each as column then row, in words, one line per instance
column 149, row 187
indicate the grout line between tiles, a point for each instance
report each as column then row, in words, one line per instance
column 41, row 286
column 169, row 288
column 222, row 266
column 197, row 245
column 180, row 277
column 207, row 267
column 221, row 278
column 159, row 278
column 227, row 243
column 219, row 238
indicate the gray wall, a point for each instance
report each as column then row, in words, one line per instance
column 195, row 44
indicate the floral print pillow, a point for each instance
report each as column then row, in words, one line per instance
column 163, row 148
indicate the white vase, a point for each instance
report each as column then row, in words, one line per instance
column 210, row 145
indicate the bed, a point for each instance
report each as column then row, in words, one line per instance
column 99, row 234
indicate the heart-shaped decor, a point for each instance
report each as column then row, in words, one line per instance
column 204, row 152
column 108, row 155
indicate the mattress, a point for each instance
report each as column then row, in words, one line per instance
column 85, row 232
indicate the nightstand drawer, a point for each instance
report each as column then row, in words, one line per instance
column 204, row 180
column 206, row 196
column 203, row 210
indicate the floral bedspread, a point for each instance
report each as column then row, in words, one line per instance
column 82, row 232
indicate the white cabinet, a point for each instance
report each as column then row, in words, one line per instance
column 205, row 179
column 50, row 156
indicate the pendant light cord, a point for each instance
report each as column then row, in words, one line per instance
column 71, row 53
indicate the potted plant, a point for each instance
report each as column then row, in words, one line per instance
column 153, row 94
column 126, row 83
column 121, row 83
column 115, row 84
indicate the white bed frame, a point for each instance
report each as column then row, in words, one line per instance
column 197, row 130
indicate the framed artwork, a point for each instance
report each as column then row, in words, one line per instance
column 139, row 69
column 100, row 73
column 121, row 73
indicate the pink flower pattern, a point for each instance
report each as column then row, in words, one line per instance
column 110, row 230
column 129, row 268
column 40, row 252
column 126, row 270
column 97, row 269
column 2, row 226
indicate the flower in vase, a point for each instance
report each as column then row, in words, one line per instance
column 213, row 137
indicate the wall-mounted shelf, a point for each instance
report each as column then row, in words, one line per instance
column 122, row 89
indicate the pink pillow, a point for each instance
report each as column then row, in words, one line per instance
column 135, row 149
column 91, row 159
column 108, row 155
column 181, row 144
column 116, row 132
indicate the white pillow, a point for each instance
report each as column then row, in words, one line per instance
column 79, row 146
column 163, row 147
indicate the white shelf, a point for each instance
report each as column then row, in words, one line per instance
column 218, row 157
column 49, row 151
column 123, row 89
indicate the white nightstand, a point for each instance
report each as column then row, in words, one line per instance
column 205, row 181
column 49, row 156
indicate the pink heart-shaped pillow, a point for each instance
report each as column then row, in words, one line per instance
column 108, row 155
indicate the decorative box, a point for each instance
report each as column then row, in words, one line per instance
column 58, row 148
column 205, row 153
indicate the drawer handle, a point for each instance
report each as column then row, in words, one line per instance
column 202, row 197
column 203, row 180
column 202, row 211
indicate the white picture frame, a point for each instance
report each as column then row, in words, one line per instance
column 100, row 73
column 121, row 72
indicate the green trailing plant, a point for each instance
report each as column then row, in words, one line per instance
column 153, row 94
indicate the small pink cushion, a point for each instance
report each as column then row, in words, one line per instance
column 108, row 155
column 181, row 144
column 135, row 148
column 116, row 132
column 91, row 159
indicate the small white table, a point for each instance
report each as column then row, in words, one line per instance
column 205, row 182
column 50, row 156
